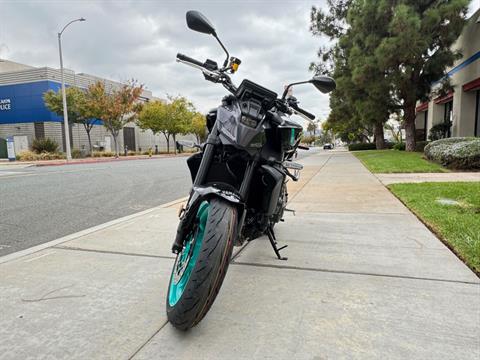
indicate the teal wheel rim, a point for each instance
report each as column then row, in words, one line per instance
column 187, row 258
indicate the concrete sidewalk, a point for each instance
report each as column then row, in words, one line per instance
column 388, row 179
column 365, row 279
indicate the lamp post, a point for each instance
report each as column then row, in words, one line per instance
column 64, row 95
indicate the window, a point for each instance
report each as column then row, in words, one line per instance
column 447, row 118
column 477, row 115
column 425, row 126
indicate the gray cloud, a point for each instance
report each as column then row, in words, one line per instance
column 139, row 39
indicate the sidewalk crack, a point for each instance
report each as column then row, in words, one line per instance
column 148, row 340
column 360, row 273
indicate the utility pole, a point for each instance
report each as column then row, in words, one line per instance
column 64, row 95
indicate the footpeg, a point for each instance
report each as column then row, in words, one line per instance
column 290, row 210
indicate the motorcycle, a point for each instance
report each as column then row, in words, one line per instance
column 239, row 180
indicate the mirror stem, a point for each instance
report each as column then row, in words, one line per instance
column 290, row 85
column 224, row 49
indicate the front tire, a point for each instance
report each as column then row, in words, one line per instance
column 200, row 268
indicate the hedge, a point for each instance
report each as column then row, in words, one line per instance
column 361, row 146
column 460, row 153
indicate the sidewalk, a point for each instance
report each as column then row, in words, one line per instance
column 388, row 179
column 364, row 279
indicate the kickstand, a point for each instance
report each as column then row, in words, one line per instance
column 273, row 242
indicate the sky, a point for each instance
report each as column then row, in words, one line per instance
column 139, row 39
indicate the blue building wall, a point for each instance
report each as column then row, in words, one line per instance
column 26, row 102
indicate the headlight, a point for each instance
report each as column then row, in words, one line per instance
column 248, row 121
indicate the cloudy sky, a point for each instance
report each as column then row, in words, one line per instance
column 139, row 39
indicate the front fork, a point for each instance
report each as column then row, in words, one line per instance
column 199, row 192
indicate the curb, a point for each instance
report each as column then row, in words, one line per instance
column 37, row 248
column 110, row 159
column 90, row 160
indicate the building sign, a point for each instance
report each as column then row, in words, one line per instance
column 5, row 104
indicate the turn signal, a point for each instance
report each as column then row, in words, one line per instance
column 234, row 63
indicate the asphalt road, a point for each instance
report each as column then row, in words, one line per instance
column 40, row 204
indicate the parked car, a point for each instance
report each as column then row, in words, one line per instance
column 327, row 146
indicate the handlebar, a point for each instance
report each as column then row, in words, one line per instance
column 220, row 76
column 186, row 58
column 303, row 112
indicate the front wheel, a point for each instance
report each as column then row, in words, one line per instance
column 201, row 266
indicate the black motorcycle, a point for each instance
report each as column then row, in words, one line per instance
column 239, row 181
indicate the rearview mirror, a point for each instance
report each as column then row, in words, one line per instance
column 198, row 22
column 323, row 83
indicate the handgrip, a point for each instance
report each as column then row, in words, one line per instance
column 304, row 112
column 188, row 59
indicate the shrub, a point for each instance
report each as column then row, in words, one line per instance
column 51, row 156
column 28, row 155
column 389, row 145
column 44, row 145
column 103, row 154
column 455, row 153
column 438, row 131
column 420, row 145
column 361, row 146
column 399, row 146
column 78, row 154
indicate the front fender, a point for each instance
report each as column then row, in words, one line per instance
column 199, row 194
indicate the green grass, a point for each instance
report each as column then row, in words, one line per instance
column 394, row 161
column 457, row 225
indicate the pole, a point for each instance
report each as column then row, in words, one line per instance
column 64, row 95
column 64, row 99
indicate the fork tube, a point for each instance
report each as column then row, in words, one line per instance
column 207, row 157
column 204, row 164
column 247, row 179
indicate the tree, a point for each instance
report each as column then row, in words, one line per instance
column 154, row 117
column 115, row 107
column 363, row 96
column 181, row 112
column 312, row 127
column 418, row 49
column 198, row 127
column 169, row 118
column 77, row 111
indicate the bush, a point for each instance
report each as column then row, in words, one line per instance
column 44, row 145
column 420, row 145
column 28, row 155
column 399, row 146
column 103, row 154
column 51, row 156
column 455, row 153
column 438, row 131
column 361, row 146
column 78, row 154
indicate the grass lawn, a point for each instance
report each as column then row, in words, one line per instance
column 458, row 225
column 394, row 161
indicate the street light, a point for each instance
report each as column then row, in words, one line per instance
column 64, row 95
